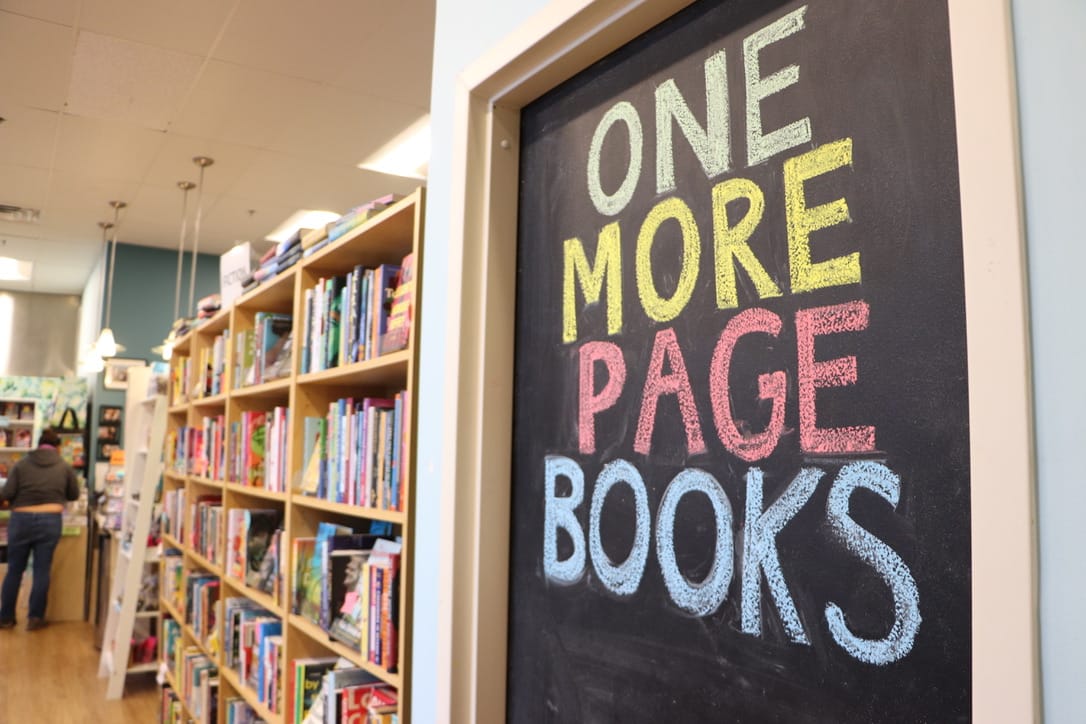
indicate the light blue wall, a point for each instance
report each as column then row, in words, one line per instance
column 1050, row 39
column 463, row 30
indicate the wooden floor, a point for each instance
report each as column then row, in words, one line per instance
column 50, row 676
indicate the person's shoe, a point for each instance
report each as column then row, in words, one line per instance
column 35, row 623
column 10, row 623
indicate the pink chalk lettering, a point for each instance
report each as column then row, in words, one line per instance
column 590, row 403
column 676, row 383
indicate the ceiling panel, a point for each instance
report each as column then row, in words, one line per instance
column 232, row 222
column 341, row 127
column 94, row 148
column 54, row 11
column 174, row 163
column 267, row 34
column 154, row 217
column 77, row 204
column 189, row 27
column 59, row 278
column 24, row 186
column 37, row 60
column 274, row 177
column 27, row 135
column 401, row 30
column 240, row 105
column 129, row 82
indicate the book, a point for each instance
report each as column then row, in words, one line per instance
column 401, row 313
column 259, row 544
column 306, row 677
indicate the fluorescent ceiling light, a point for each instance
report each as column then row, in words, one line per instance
column 15, row 270
column 301, row 219
column 408, row 154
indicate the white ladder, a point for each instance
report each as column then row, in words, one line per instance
column 144, row 430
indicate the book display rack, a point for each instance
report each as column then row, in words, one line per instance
column 288, row 487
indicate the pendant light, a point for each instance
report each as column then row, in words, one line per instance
column 203, row 162
column 166, row 348
column 107, row 345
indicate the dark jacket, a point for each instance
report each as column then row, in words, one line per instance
column 40, row 477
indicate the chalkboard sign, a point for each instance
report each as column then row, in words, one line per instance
column 741, row 439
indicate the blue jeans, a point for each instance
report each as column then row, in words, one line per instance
column 29, row 532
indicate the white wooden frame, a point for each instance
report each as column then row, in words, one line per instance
column 566, row 37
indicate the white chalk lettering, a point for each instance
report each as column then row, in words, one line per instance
column 761, row 147
column 611, row 204
column 712, row 144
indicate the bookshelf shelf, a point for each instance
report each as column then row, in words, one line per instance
column 385, row 370
column 190, row 632
column 206, row 482
column 169, row 608
column 357, row 511
column 261, row 709
column 143, row 668
column 270, row 431
column 259, row 597
column 202, row 562
column 213, row 401
column 320, row 636
column 276, row 389
column 256, row 492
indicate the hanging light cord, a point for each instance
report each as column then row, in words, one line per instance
column 203, row 162
column 112, row 264
column 185, row 186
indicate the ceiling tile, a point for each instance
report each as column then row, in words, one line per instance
column 77, row 204
column 174, row 163
column 274, row 178
column 402, row 30
column 100, row 149
column 27, row 135
column 130, row 82
column 307, row 40
column 341, row 127
column 50, row 278
column 53, row 11
column 233, row 222
column 189, row 27
column 154, row 217
column 37, row 60
column 239, row 105
column 24, row 186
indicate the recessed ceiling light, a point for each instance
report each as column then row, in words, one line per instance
column 15, row 270
column 408, row 154
column 301, row 219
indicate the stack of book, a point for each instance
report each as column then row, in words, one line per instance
column 212, row 366
column 262, row 354
column 208, row 445
column 258, row 449
column 173, row 576
column 253, row 538
column 181, row 373
column 348, row 584
column 238, row 711
column 331, row 690
column 252, row 647
column 199, row 684
column 206, row 535
column 173, row 513
column 201, row 593
column 355, row 454
column 313, row 240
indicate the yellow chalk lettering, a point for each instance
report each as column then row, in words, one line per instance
column 730, row 242
column 577, row 268
column 802, row 220
column 656, row 307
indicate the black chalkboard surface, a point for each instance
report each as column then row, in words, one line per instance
column 741, row 444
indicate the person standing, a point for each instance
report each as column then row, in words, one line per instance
column 37, row 487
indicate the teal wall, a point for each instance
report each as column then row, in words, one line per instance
column 1050, row 40
column 143, row 292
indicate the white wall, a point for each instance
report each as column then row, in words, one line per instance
column 1050, row 39
column 464, row 30
column 1051, row 53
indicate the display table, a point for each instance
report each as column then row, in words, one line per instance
column 67, row 579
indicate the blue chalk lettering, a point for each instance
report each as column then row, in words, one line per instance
column 879, row 479
column 760, row 550
column 699, row 599
column 625, row 578
column 558, row 513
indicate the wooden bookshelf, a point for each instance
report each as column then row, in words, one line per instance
column 384, row 239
